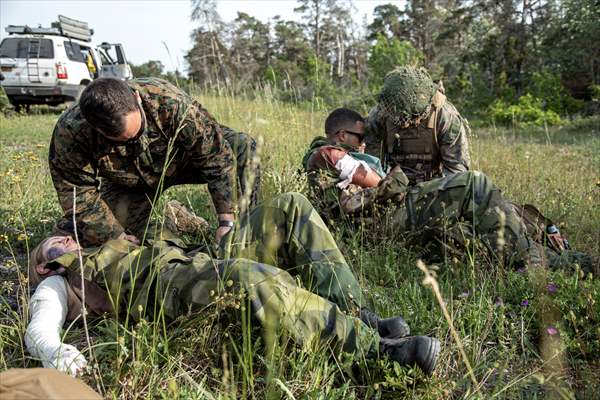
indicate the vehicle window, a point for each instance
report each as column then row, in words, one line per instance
column 74, row 52
column 22, row 47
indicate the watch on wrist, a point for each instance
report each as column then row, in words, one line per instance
column 225, row 223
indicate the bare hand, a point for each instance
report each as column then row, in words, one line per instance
column 130, row 238
column 222, row 231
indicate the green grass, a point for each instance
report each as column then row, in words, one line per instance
column 209, row 357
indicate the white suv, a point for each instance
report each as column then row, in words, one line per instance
column 51, row 66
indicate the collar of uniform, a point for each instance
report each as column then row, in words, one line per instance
column 66, row 260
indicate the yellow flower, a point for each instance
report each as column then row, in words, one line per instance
column 21, row 237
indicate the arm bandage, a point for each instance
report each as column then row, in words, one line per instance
column 48, row 308
column 347, row 166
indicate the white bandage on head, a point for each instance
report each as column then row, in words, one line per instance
column 48, row 309
column 347, row 167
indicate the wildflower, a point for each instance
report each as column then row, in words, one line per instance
column 499, row 302
column 522, row 270
column 551, row 330
column 552, row 288
column 463, row 295
column 525, row 303
column 21, row 237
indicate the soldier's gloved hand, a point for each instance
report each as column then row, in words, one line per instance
column 66, row 358
column 133, row 239
column 393, row 186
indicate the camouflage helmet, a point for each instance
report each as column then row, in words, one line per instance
column 406, row 95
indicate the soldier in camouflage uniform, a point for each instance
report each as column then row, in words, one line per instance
column 278, row 241
column 123, row 143
column 346, row 182
column 5, row 106
column 416, row 127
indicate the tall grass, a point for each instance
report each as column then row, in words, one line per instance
column 498, row 314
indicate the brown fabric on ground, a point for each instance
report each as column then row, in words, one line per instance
column 43, row 383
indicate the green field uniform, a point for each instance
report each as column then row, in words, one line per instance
column 116, row 182
column 438, row 145
column 455, row 207
column 286, row 231
column 5, row 106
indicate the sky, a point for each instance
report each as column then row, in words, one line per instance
column 150, row 29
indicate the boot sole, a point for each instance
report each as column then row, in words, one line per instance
column 429, row 361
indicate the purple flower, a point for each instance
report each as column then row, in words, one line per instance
column 551, row 330
column 552, row 288
column 522, row 270
column 525, row 303
column 463, row 295
column 499, row 302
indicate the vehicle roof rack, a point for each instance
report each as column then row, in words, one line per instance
column 65, row 26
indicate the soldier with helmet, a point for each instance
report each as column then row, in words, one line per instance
column 416, row 127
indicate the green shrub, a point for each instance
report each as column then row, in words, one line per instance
column 527, row 112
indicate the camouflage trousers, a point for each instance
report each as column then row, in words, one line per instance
column 5, row 106
column 133, row 207
column 460, row 207
column 287, row 268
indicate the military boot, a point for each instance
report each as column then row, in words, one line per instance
column 180, row 220
column 421, row 351
column 390, row 328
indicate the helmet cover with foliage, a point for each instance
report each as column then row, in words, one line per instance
column 406, row 95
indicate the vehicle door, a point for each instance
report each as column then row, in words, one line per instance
column 77, row 67
column 114, row 62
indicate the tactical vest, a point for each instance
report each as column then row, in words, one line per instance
column 416, row 149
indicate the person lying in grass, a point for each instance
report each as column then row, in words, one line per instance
column 277, row 243
column 454, row 209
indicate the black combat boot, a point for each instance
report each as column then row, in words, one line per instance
column 421, row 351
column 390, row 328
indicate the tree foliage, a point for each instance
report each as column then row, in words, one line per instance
column 487, row 53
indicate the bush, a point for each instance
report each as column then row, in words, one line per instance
column 527, row 112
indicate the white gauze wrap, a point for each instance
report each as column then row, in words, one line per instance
column 347, row 167
column 48, row 310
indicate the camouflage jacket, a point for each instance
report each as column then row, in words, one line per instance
column 333, row 201
column 437, row 146
column 177, row 133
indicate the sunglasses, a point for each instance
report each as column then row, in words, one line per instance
column 359, row 136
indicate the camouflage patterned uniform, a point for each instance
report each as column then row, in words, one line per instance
column 5, row 106
column 427, row 139
column 455, row 207
column 286, row 231
column 117, row 182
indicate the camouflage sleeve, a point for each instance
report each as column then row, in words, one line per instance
column 375, row 134
column 70, row 167
column 202, row 137
column 453, row 131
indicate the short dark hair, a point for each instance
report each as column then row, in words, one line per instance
column 104, row 104
column 341, row 118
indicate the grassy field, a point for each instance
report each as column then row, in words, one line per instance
column 522, row 338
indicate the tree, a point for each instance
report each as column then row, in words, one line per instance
column 250, row 51
column 207, row 40
column 387, row 54
column 152, row 68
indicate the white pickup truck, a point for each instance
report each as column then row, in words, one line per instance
column 53, row 65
